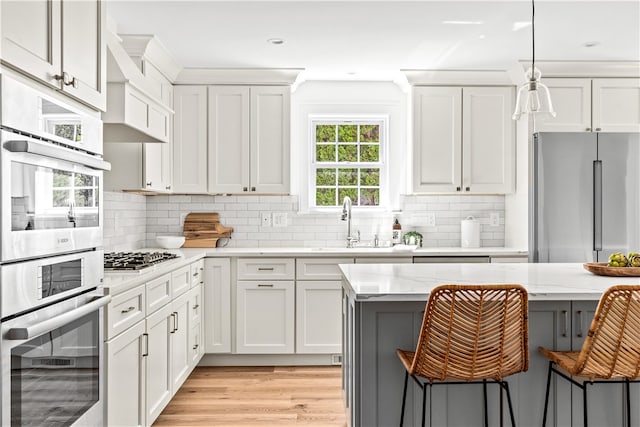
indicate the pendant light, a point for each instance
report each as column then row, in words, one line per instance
column 537, row 99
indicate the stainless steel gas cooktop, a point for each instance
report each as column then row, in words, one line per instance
column 134, row 261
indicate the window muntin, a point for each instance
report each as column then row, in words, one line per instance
column 347, row 161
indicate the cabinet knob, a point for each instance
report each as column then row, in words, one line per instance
column 168, row 187
column 253, row 188
column 73, row 82
column 244, row 189
column 149, row 184
column 588, row 129
column 458, row 188
column 467, row 189
column 66, row 79
column 598, row 129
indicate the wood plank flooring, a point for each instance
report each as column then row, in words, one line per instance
column 258, row 396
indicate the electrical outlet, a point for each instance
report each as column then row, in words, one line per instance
column 431, row 219
column 494, row 219
column 265, row 219
column 279, row 219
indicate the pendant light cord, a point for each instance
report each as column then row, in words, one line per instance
column 533, row 38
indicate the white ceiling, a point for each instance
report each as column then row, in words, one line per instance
column 382, row 36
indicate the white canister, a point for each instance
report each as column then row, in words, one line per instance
column 470, row 233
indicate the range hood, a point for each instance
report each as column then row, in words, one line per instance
column 133, row 114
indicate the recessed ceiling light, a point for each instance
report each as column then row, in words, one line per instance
column 276, row 41
column 591, row 44
column 463, row 22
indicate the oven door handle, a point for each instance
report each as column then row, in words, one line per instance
column 58, row 321
column 56, row 152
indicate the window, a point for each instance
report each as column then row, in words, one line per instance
column 79, row 188
column 348, row 161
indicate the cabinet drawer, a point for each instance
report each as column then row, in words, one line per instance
column 197, row 273
column 125, row 310
column 320, row 268
column 158, row 293
column 261, row 268
column 180, row 281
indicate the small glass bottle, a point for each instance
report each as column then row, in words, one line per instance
column 396, row 235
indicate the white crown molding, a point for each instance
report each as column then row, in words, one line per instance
column 238, row 76
column 457, row 77
column 585, row 68
column 151, row 49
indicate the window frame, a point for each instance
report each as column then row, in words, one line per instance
column 350, row 119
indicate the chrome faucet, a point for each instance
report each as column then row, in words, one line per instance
column 346, row 216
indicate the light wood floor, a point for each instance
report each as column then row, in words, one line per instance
column 258, row 396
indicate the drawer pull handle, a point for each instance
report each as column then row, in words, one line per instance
column 195, row 274
column 126, row 310
column 579, row 334
column 195, row 347
column 565, row 323
column 195, row 307
column 265, row 285
column 146, row 345
column 265, row 268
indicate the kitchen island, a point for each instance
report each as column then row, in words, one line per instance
column 383, row 306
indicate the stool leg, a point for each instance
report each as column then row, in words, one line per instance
column 404, row 398
column 484, row 395
column 513, row 418
column 546, row 396
column 501, row 399
column 626, row 381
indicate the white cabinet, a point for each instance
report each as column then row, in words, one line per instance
column 158, row 370
column 196, row 271
column 464, row 140
column 249, row 139
column 195, row 348
column 179, row 341
column 60, row 43
column 180, row 281
column 126, row 377
column 266, row 268
column 593, row 105
column 190, row 139
column 265, row 316
column 158, row 293
column 138, row 167
column 217, row 298
column 125, row 310
column 319, row 316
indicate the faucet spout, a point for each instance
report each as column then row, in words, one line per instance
column 346, row 216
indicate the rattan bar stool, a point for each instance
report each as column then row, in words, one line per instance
column 471, row 334
column 611, row 349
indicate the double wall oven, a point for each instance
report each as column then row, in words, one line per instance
column 51, row 259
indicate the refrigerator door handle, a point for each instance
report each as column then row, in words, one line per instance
column 597, row 205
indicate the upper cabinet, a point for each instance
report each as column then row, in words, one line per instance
column 593, row 105
column 59, row 42
column 249, row 139
column 464, row 140
column 190, row 139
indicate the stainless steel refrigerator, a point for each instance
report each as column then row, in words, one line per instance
column 584, row 198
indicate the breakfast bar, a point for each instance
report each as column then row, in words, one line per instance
column 383, row 306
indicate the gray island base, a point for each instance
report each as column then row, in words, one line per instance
column 383, row 306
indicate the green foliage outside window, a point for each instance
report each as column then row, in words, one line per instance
column 326, row 176
column 347, row 153
column 347, row 133
column 325, row 153
column 347, row 176
column 370, row 177
column 326, row 197
column 369, row 153
column 325, row 133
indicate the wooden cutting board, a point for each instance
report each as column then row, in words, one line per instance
column 203, row 229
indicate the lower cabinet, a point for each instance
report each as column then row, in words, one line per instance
column 179, row 341
column 126, row 377
column 195, row 348
column 319, row 316
column 265, row 316
column 217, row 299
column 158, row 355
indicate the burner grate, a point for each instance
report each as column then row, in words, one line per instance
column 131, row 261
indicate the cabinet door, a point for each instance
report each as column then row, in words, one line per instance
column 197, row 273
column 31, row 38
column 488, row 140
column 152, row 170
column 180, row 354
column 217, row 300
column 158, row 370
column 180, row 281
column 605, row 401
column 616, row 105
column 437, row 144
column 571, row 100
column 228, row 139
column 549, row 327
column 84, row 50
column 270, row 118
column 126, row 378
column 318, row 316
column 195, row 347
column 265, row 317
column 190, row 139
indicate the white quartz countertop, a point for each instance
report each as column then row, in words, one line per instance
column 117, row 282
column 414, row 282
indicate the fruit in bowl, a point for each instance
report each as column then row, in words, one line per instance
column 170, row 242
column 633, row 259
column 618, row 260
